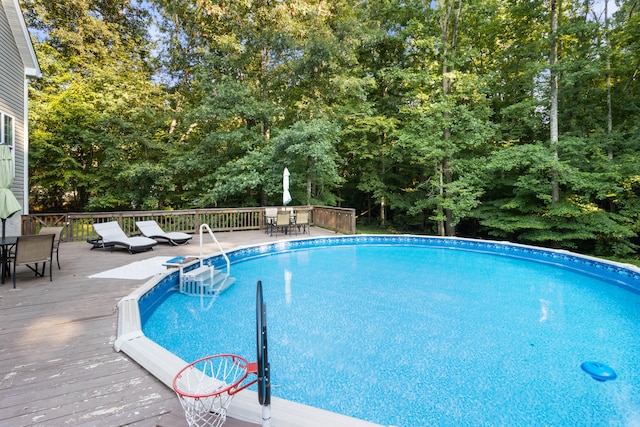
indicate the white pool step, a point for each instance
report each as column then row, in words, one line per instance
column 204, row 281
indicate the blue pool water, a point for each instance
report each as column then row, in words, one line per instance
column 412, row 335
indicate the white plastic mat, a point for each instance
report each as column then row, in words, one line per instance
column 136, row 270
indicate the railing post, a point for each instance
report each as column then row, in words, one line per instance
column 71, row 229
column 353, row 222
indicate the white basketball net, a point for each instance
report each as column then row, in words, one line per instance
column 203, row 389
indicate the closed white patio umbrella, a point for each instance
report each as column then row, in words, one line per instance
column 286, row 196
column 8, row 202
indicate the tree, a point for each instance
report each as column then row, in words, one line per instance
column 445, row 115
column 308, row 149
column 578, row 209
column 259, row 68
column 553, row 97
column 95, row 111
column 510, row 119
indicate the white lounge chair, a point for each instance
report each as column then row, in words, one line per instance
column 152, row 230
column 110, row 234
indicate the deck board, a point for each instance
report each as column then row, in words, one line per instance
column 57, row 362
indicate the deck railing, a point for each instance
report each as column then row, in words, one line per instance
column 78, row 226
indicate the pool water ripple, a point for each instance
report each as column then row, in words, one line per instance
column 410, row 335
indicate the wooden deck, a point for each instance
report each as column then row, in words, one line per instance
column 57, row 362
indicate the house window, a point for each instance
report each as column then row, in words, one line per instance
column 6, row 129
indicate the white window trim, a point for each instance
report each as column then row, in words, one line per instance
column 3, row 137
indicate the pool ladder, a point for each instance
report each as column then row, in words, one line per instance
column 205, row 280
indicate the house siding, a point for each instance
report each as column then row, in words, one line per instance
column 12, row 102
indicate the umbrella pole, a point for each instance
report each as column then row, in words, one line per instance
column 4, row 224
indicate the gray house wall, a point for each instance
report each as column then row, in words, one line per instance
column 12, row 103
column 17, row 62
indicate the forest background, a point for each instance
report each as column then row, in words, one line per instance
column 507, row 119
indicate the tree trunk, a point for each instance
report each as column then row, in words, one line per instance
column 309, row 164
column 553, row 114
column 264, row 64
column 383, row 216
column 608, row 54
column 441, row 225
column 449, row 229
column 449, row 26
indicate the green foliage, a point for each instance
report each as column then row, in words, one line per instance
column 425, row 116
column 307, row 149
column 583, row 220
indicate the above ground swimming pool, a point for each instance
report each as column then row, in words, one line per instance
column 410, row 331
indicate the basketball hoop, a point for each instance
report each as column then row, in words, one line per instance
column 206, row 387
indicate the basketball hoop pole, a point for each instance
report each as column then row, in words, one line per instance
column 264, row 377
